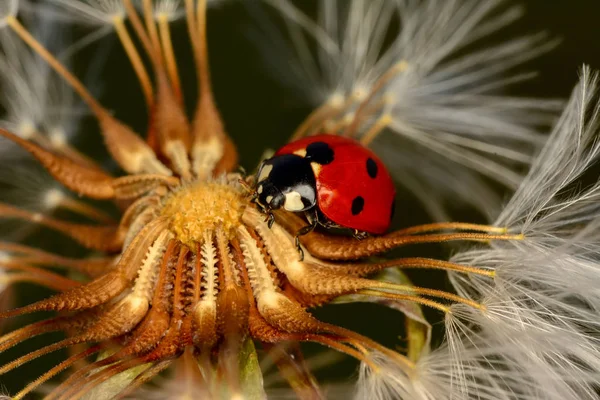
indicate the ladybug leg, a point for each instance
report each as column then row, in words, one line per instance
column 270, row 219
column 313, row 222
column 360, row 235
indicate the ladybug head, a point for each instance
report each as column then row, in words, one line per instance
column 286, row 181
column 269, row 196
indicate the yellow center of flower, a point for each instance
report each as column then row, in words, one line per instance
column 200, row 207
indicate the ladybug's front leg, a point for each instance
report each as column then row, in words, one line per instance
column 313, row 222
column 360, row 235
column 270, row 219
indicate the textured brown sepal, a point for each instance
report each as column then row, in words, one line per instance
column 97, row 292
column 290, row 362
column 76, row 177
column 103, row 238
column 134, row 186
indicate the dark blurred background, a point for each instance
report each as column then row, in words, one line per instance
column 259, row 113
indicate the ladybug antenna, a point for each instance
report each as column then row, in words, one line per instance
column 246, row 186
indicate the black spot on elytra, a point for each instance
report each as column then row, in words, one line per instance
column 319, row 152
column 393, row 210
column 371, row 168
column 357, row 205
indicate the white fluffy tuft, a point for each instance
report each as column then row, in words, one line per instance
column 8, row 8
column 170, row 9
column 542, row 320
column 451, row 124
column 39, row 105
column 93, row 12
column 538, row 337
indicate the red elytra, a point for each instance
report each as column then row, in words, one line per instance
column 355, row 173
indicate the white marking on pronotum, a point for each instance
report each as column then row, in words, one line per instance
column 301, row 153
column 316, row 167
column 293, row 202
column 264, row 172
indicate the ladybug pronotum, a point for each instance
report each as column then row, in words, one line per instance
column 335, row 180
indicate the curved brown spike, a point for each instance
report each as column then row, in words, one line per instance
column 105, row 287
column 172, row 127
column 364, row 269
column 86, row 296
column 35, row 274
column 154, row 326
column 144, row 338
column 319, row 281
column 358, row 340
column 102, row 238
column 39, row 352
column 348, row 248
column 144, row 377
column 125, row 146
column 116, row 321
column 455, row 226
column 151, row 329
column 80, row 388
column 42, row 278
column 57, row 369
column 39, row 328
column 71, row 382
column 306, row 300
column 291, row 365
column 211, row 145
column 136, row 208
column 129, row 149
column 261, row 330
column 32, row 255
column 80, row 179
column 132, row 187
column 168, row 348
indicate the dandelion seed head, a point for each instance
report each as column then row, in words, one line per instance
column 541, row 317
column 93, row 12
column 53, row 198
column 193, row 273
column 58, row 138
column 445, row 110
column 8, row 9
column 26, row 129
column 170, row 10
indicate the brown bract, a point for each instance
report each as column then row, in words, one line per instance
column 192, row 267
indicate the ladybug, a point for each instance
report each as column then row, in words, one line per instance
column 335, row 180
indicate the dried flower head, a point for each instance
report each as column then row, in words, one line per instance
column 192, row 275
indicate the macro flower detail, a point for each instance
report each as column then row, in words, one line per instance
column 439, row 95
column 536, row 333
column 198, row 267
column 190, row 275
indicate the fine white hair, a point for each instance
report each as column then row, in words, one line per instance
column 451, row 127
column 538, row 335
